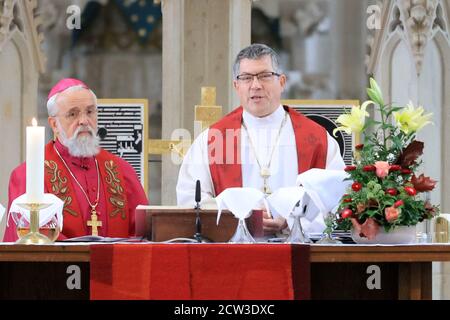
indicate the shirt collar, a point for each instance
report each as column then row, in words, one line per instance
column 81, row 162
column 272, row 120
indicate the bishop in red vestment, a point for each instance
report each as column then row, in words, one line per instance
column 88, row 179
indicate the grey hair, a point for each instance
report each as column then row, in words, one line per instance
column 254, row 52
column 52, row 107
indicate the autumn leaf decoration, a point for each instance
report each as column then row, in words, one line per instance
column 422, row 183
column 410, row 154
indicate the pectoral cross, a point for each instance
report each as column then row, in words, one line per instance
column 265, row 174
column 94, row 223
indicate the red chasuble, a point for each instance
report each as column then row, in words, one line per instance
column 224, row 147
column 60, row 182
column 120, row 192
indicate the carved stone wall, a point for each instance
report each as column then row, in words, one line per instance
column 410, row 58
column 200, row 41
column 21, row 61
column 322, row 49
column 109, row 58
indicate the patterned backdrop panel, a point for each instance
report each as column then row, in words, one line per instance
column 325, row 113
column 122, row 127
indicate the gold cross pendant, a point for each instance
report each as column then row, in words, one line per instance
column 266, row 188
column 265, row 174
column 94, row 223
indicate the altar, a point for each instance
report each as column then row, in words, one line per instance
column 335, row 271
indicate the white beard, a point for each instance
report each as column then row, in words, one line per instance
column 83, row 146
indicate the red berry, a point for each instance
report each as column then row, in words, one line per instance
column 395, row 167
column 346, row 213
column 398, row 203
column 350, row 168
column 411, row 191
column 392, row 191
column 369, row 167
column 356, row 186
column 406, row 171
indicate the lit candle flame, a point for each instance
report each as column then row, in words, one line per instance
column 34, row 122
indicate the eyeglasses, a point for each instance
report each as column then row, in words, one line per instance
column 262, row 77
column 75, row 114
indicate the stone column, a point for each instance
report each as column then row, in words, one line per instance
column 348, row 36
column 200, row 41
column 21, row 62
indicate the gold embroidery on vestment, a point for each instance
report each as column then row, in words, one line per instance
column 59, row 185
column 116, row 189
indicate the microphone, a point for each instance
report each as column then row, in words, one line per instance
column 198, row 193
column 102, row 132
column 198, row 224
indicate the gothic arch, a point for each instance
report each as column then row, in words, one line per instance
column 385, row 64
column 400, row 24
column 23, row 60
column 442, row 42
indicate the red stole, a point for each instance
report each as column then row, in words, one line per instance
column 59, row 182
column 224, row 147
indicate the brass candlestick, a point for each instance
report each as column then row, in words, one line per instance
column 34, row 236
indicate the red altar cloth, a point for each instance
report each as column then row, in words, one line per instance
column 200, row 271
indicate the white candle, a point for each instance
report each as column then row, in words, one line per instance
column 35, row 163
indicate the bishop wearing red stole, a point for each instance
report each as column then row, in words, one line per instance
column 100, row 190
column 261, row 144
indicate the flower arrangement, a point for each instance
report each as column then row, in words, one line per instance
column 385, row 187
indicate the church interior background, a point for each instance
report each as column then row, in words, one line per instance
column 166, row 50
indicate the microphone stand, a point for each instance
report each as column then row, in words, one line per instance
column 198, row 224
column 198, row 227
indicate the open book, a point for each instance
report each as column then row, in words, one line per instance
column 206, row 205
column 90, row 238
column 150, row 207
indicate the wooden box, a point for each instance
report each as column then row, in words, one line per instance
column 165, row 223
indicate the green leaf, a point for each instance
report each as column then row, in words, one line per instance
column 393, row 109
column 387, row 126
column 371, row 122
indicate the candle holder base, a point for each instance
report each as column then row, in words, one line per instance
column 33, row 236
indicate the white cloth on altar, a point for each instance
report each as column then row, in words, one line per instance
column 2, row 223
column 240, row 201
column 325, row 188
column 2, row 212
column 263, row 132
column 55, row 208
column 284, row 201
column 318, row 193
